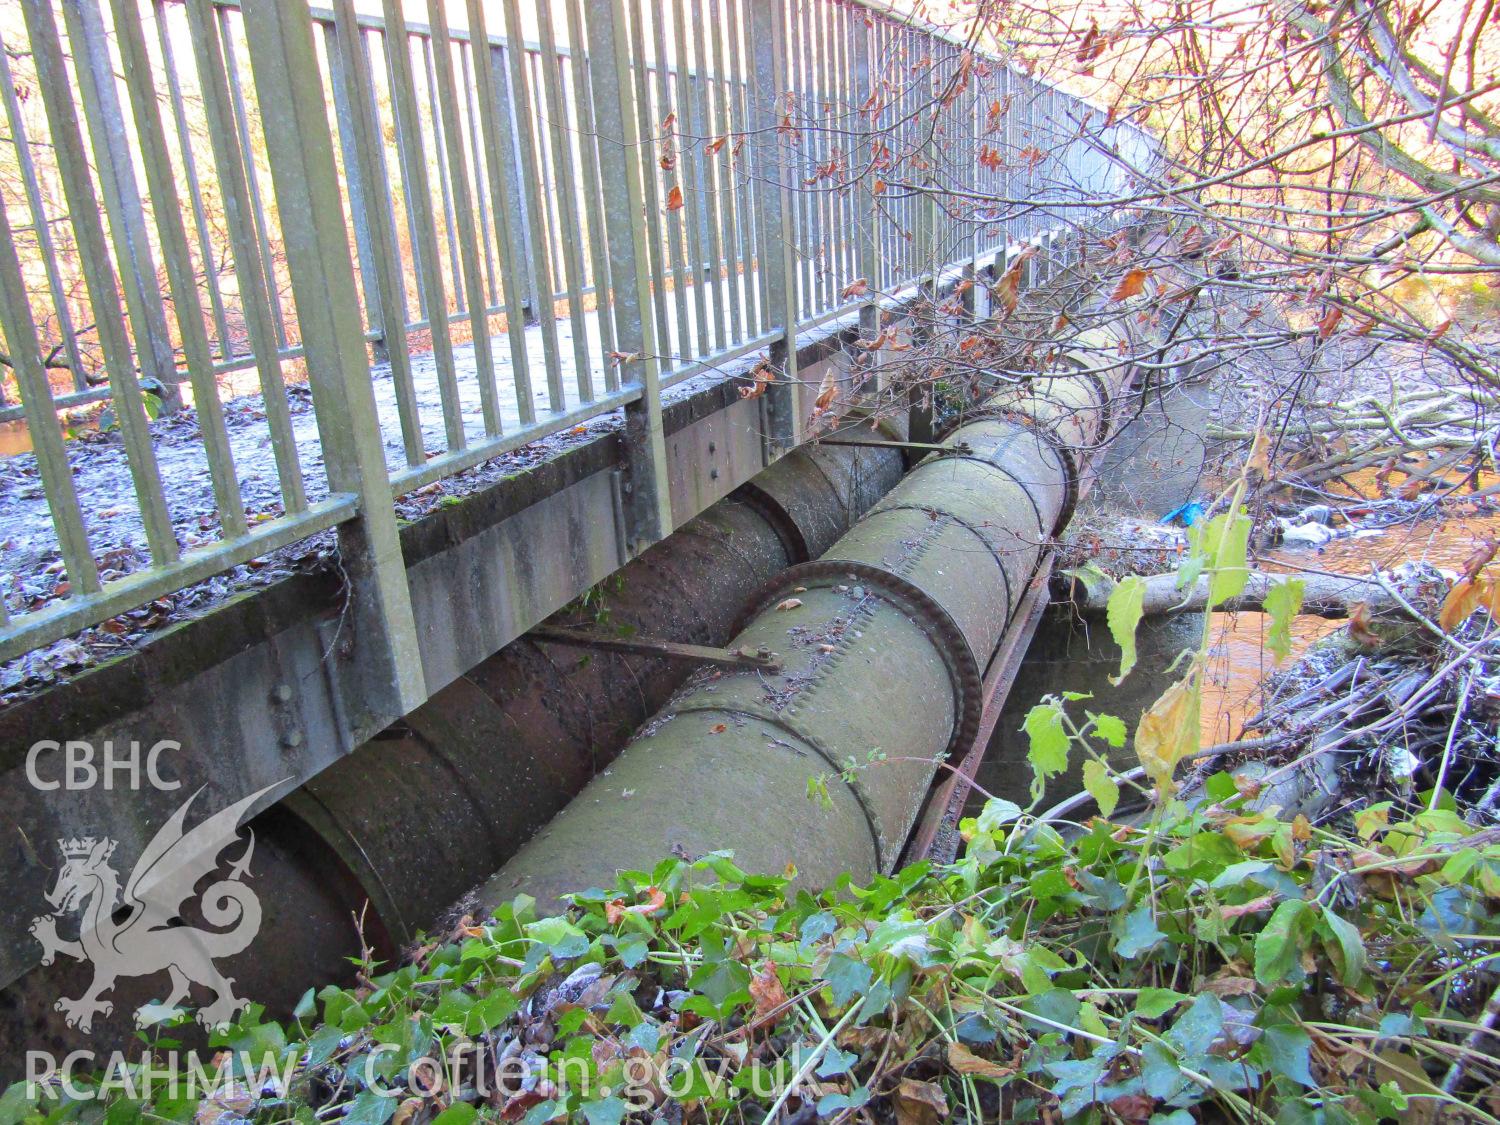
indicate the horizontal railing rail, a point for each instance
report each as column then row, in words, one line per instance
column 461, row 235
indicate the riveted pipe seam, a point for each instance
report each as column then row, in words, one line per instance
column 947, row 638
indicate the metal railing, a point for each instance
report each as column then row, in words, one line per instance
column 462, row 237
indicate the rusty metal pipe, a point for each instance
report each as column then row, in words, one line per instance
column 884, row 640
column 437, row 802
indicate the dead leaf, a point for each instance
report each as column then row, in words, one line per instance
column 1131, row 284
column 1359, row 626
column 1168, row 732
column 713, row 146
column 1254, row 906
column 1329, row 322
column 1462, row 600
column 966, row 1062
column 674, row 199
column 788, row 604
column 826, row 391
column 767, row 991
column 761, row 377
column 856, row 288
column 919, row 1103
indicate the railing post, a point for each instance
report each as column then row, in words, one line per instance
column 383, row 650
column 768, row 34
column 648, row 507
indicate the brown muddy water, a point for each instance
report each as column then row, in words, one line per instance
column 1071, row 654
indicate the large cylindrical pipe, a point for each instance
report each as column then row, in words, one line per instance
column 436, row 803
column 883, row 640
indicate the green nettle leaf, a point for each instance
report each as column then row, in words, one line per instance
column 1283, row 602
column 1101, row 786
column 1224, row 545
column 1277, row 946
column 1111, row 728
column 1049, row 745
column 1123, row 612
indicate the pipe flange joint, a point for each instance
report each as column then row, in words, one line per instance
column 919, row 606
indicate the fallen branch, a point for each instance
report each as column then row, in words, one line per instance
column 1323, row 595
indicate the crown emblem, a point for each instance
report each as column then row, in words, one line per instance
column 82, row 848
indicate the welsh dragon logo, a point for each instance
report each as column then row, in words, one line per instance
column 143, row 933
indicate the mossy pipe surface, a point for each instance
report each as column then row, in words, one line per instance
column 883, row 641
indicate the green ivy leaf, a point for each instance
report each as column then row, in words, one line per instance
column 1153, row 1003
column 1123, row 613
column 1048, row 753
column 1284, row 1049
column 1101, row 786
column 847, row 978
column 460, row 1113
column 1283, row 602
column 1137, row 933
column 1278, row 945
column 1349, row 947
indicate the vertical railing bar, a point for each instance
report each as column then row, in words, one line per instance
column 645, row 156
column 410, row 148
column 500, row 164
column 680, row 348
column 385, row 277
column 543, row 138
column 161, row 184
column 837, row 133
column 866, row 225
column 824, row 198
column 739, row 136
column 769, row 31
column 723, row 177
column 252, row 178
column 593, row 206
column 190, row 174
column 209, row 61
column 567, row 201
column 795, row 90
column 852, row 132
column 122, row 199
column 380, row 176
column 698, row 81
column 361, row 199
column 41, row 418
column 689, row 180
column 483, row 203
column 461, row 212
column 446, row 174
column 99, row 277
column 40, row 224
column 386, row 663
column 649, row 512
column 522, row 118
